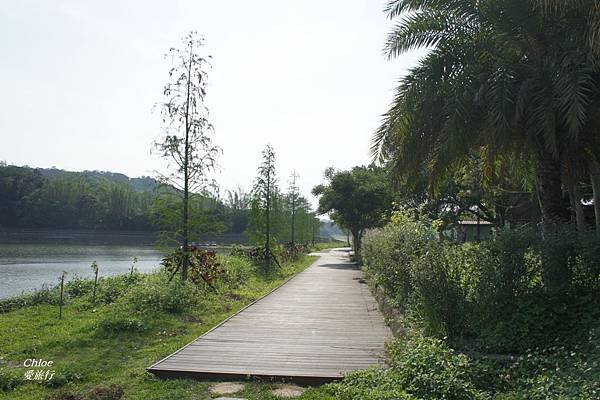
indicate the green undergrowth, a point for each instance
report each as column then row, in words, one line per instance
column 103, row 345
column 428, row 368
column 483, row 321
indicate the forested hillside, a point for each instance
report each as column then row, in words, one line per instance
column 58, row 199
column 54, row 198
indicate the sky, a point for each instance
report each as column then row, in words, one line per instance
column 79, row 78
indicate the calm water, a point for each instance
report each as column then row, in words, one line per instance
column 26, row 267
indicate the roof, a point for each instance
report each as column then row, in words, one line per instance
column 472, row 222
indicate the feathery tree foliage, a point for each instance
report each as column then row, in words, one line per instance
column 292, row 195
column 187, row 142
column 514, row 81
column 265, row 200
column 276, row 217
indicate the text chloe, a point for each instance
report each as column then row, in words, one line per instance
column 32, row 362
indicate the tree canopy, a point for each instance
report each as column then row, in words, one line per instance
column 356, row 200
column 513, row 81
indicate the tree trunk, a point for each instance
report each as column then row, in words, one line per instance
column 186, row 177
column 555, row 272
column 550, row 191
column 293, row 218
column 575, row 198
column 356, row 239
column 268, row 222
column 595, row 179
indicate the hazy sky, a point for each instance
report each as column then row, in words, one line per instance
column 78, row 80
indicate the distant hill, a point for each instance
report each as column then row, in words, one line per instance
column 57, row 199
column 141, row 184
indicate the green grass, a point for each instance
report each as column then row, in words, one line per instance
column 328, row 245
column 130, row 326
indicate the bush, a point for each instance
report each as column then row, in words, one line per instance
column 496, row 292
column 256, row 255
column 43, row 296
column 292, row 252
column 156, row 293
column 389, row 252
column 421, row 368
column 418, row 273
column 237, row 270
column 78, row 287
column 425, row 368
column 203, row 265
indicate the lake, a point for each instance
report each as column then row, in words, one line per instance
column 26, row 267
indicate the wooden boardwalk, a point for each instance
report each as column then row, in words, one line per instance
column 316, row 327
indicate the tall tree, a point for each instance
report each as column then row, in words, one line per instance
column 265, row 197
column 293, row 193
column 504, row 76
column 356, row 200
column 186, row 142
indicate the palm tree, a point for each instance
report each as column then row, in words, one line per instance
column 516, row 78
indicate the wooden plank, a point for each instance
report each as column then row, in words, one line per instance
column 315, row 328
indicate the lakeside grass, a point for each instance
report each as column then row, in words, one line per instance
column 107, row 345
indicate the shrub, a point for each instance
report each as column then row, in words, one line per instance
column 495, row 291
column 389, row 252
column 256, row 255
column 43, row 296
column 372, row 384
column 204, row 264
column 418, row 272
column 156, row 293
column 292, row 252
column 78, row 287
column 111, row 288
column 425, row 368
column 421, row 368
column 237, row 270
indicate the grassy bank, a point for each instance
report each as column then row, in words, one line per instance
column 101, row 348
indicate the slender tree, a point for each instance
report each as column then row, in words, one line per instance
column 265, row 194
column 186, row 142
column 293, row 193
